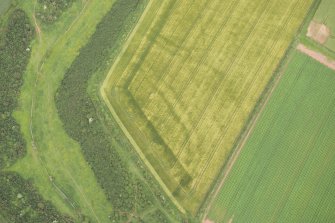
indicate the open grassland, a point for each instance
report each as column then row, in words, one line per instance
column 54, row 161
column 326, row 15
column 285, row 173
column 186, row 83
column 4, row 5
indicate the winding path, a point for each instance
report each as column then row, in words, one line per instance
column 35, row 151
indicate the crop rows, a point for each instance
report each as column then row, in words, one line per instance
column 284, row 172
column 191, row 77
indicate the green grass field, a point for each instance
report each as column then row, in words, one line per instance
column 285, row 172
column 187, row 81
column 73, row 189
column 4, row 5
column 325, row 14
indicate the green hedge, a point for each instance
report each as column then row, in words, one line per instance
column 75, row 106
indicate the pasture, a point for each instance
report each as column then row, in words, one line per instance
column 55, row 162
column 187, row 80
column 285, row 172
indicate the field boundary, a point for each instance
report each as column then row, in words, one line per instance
column 253, row 117
column 316, row 56
column 118, row 120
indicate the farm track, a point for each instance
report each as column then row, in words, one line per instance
column 243, row 141
column 241, row 144
column 116, row 117
column 317, row 56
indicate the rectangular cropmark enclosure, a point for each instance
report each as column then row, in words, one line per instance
column 188, row 79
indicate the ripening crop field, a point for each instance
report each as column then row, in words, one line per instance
column 286, row 171
column 188, row 79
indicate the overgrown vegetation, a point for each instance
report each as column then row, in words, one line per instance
column 19, row 200
column 14, row 55
column 127, row 193
column 49, row 10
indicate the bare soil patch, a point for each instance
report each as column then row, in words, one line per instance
column 208, row 221
column 317, row 56
column 318, row 32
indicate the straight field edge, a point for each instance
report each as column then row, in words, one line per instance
column 206, row 205
column 119, row 122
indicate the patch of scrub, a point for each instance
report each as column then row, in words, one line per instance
column 318, row 32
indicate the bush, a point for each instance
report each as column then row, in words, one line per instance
column 50, row 10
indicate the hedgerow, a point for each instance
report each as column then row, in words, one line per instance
column 78, row 113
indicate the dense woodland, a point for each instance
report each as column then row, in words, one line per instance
column 81, row 120
column 14, row 56
column 19, row 200
column 49, row 10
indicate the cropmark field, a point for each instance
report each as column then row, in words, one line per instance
column 285, row 173
column 187, row 80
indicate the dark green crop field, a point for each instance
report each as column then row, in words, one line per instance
column 286, row 171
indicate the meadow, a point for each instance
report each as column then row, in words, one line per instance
column 54, row 162
column 187, row 80
column 285, row 172
column 19, row 199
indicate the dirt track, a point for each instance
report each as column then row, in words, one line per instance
column 317, row 56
